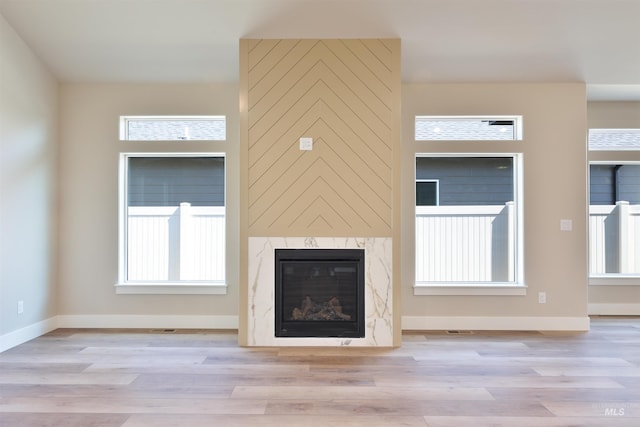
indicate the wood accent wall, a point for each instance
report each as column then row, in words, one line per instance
column 345, row 94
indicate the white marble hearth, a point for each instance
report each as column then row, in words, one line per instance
column 378, row 290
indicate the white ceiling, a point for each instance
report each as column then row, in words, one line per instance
column 592, row 41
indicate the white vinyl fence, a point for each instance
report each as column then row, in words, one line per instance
column 173, row 244
column 465, row 243
column 614, row 239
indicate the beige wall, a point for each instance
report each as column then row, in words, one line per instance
column 28, row 198
column 554, row 154
column 612, row 115
column 614, row 296
column 89, row 156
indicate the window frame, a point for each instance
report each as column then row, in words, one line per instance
column 610, row 155
column 515, row 287
column 123, row 285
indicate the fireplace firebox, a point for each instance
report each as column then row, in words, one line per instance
column 319, row 293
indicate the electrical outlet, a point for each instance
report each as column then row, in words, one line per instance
column 542, row 297
column 20, row 307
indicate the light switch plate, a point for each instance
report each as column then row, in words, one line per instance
column 306, row 144
column 566, row 225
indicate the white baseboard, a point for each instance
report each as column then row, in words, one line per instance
column 27, row 333
column 614, row 309
column 418, row 323
column 136, row 321
column 426, row 323
column 30, row 332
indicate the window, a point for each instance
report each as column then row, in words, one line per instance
column 614, row 207
column 172, row 227
column 470, row 128
column 468, row 208
column 472, row 234
column 172, row 128
column 614, row 139
column 427, row 192
column 614, row 219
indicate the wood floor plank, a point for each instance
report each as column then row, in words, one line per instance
column 62, row 419
column 65, row 378
column 532, row 361
column 586, row 371
column 301, row 379
column 274, row 421
column 349, row 392
column 46, row 391
column 605, row 409
column 457, row 421
column 499, row 381
column 253, row 370
column 15, row 367
column 131, row 405
column 597, row 395
column 400, row 407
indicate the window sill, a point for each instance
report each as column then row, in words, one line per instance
column 615, row 280
column 469, row 289
column 172, row 288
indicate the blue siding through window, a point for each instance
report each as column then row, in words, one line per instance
column 469, row 180
column 169, row 181
column 607, row 189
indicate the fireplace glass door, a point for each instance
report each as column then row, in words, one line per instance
column 319, row 293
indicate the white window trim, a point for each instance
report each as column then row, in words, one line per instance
column 614, row 280
column 516, row 288
column 452, row 289
column 167, row 288
column 171, row 288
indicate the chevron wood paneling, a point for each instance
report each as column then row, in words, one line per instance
column 341, row 93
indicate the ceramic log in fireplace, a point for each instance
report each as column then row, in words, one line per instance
column 319, row 293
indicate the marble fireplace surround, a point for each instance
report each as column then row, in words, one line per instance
column 378, row 290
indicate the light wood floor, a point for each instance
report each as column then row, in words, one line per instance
column 202, row 378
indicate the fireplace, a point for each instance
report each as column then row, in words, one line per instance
column 319, row 293
column 261, row 292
